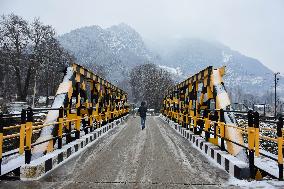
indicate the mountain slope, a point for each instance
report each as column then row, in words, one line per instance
column 192, row 55
column 113, row 51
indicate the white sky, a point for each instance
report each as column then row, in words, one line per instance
column 252, row 27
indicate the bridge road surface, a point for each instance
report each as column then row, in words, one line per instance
column 128, row 157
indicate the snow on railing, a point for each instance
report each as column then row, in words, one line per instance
column 212, row 125
column 67, row 125
column 201, row 103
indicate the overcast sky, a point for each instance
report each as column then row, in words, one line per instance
column 252, row 27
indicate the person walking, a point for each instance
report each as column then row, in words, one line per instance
column 142, row 111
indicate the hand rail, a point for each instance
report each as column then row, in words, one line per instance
column 26, row 130
column 252, row 131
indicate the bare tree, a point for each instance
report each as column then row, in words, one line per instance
column 14, row 32
column 148, row 83
column 29, row 53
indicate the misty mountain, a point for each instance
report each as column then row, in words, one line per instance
column 243, row 74
column 114, row 51
column 117, row 49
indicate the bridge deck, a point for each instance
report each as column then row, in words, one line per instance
column 128, row 157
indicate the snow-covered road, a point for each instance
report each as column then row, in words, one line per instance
column 128, row 157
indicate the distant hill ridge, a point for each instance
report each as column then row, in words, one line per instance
column 116, row 49
column 119, row 48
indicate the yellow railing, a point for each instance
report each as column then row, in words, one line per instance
column 217, row 127
column 26, row 131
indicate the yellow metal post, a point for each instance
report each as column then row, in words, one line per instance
column 78, row 123
column 191, row 114
column 215, row 118
column 22, row 132
column 207, row 125
column 195, row 122
column 1, row 140
column 78, row 109
column 222, row 129
column 251, row 139
column 60, row 127
column 29, row 131
column 186, row 121
column 69, row 117
column 280, row 146
column 256, row 135
column 90, row 114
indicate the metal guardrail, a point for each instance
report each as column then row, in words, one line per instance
column 84, row 119
column 213, row 123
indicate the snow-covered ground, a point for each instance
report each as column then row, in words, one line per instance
column 264, row 184
column 175, row 71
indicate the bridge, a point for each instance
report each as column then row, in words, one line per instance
column 91, row 138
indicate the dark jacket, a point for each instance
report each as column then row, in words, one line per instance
column 142, row 111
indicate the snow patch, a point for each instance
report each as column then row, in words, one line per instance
column 266, row 184
column 226, row 57
column 10, row 166
column 176, row 150
column 175, row 71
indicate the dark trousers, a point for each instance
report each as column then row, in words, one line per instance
column 143, row 120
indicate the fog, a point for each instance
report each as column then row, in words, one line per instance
column 254, row 28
